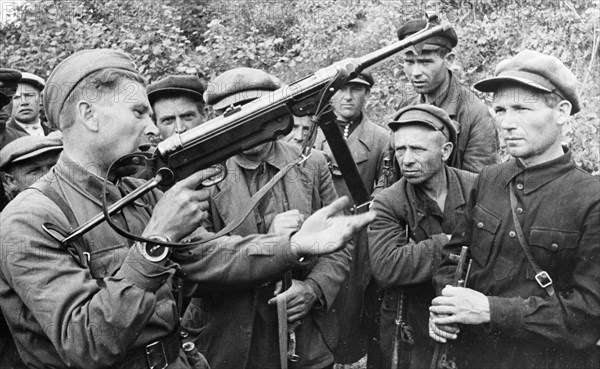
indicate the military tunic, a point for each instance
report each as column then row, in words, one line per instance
column 62, row 314
column 558, row 206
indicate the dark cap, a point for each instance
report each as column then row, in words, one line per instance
column 72, row 70
column 447, row 39
column 427, row 115
column 8, row 84
column 31, row 79
column 176, row 85
column 364, row 78
column 27, row 147
column 536, row 70
column 238, row 86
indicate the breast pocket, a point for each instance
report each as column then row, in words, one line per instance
column 485, row 227
column 106, row 262
column 552, row 249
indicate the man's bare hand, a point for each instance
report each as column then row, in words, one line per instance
column 300, row 298
column 181, row 209
column 327, row 230
column 288, row 221
column 442, row 333
column 459, row 305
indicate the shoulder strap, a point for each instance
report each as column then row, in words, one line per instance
column 542, row 277
column 247, row 206
column 77, row 248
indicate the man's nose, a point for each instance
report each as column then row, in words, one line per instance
column 179, row 126
column 298, row 135
column 416, row 70
column 408, row 158
column 150, row 127
column 508, row 121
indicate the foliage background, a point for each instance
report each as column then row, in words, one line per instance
column 293, row 38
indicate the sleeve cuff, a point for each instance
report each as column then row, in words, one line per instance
column 505, row 315
column 143, row 273
column 320, row 303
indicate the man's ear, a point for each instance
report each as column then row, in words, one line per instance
column 563, row 110
column 449, row 59
column 87, row 115
column 447, row 150
column 9, row 183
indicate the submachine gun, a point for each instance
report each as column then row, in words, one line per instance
column 242, row 128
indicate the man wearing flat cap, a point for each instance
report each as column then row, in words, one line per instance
column 27, row 159
column 415, row 217
column 238, row 328
column 177, row 103
column 105, row 301
column 26, row 105
column 427, row 67
column 368, row 144
column 531, row 224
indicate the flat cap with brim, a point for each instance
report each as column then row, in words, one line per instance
column 176, row 85
column 238, row 86
column 538, row 71
column 36, row 81
column 73, row 70
column 364, row 78
column 447, row 39
column 427, row 115
column 28, row 147
column 8, row 84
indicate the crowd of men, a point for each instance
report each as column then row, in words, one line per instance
column 300, row 282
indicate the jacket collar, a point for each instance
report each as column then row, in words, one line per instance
column 85, row 180
column 536, row 176
column 426, row 206
column 448, row 99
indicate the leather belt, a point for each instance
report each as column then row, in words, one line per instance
column 155, row 355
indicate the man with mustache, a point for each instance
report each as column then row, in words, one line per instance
column 414, row 219
column 426, row 65
column 532, row 228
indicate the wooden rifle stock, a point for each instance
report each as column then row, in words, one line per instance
column 439, row 360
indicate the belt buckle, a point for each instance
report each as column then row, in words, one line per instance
column 156, row 355
column 543, row 279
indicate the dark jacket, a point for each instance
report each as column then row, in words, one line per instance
column 227, row 320
column 408, row 261
column 18, row 131
column 477, row 137
column 559, row 211
column 368, row 144
column 62, row 314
